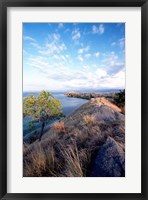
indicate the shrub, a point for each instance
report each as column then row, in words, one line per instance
column 120, row 98
column 59, row 127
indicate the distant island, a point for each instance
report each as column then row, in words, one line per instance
column 88, row 95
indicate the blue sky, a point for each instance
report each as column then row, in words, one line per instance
column 73, row 56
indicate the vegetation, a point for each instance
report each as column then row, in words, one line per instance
column 69, row 148
column 41, row 108
column 61, row 153
column 120, row 100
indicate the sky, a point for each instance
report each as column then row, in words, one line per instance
column 73, row 56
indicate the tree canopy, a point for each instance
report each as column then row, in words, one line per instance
column 42, row 106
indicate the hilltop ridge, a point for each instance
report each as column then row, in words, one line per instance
column 85, row 143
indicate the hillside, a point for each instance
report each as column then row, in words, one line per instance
column 89, row 142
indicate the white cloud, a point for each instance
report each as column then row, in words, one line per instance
column 59, row 57
column 98, row 30
column 97, row 54
column 60, row 25
column 52, row 47
column 63, row 57
column 67, row 30
column 34, row 44
column 56, row 36
column 29, row 38
column 86, row 67
column 80, row 58
column 25, row 52
column 112, row 63
column 115, row 81
column 59, row 76
column 76, row 34
column 122, row 43
column 101, row 73
column 113, row 43
column 110, row 57
column 87, row 55
column 82, row 50
column 62, row 47
column 56, row 56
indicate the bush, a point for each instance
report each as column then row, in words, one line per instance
column 120, row 100
column 59, row 127
column 120, row 97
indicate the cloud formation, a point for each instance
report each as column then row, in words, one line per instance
column 76, row 34
column 67, row 59
column 98, row 30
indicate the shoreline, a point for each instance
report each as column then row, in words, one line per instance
column 88, row 96
column 34, row 134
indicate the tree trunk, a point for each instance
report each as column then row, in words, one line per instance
column 43, row 125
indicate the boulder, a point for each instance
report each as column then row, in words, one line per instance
column 110, row 160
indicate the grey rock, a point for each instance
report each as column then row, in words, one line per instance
column 106, row 114
column 110, row 160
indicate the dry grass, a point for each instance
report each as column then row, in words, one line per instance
column 65, row 155
column 58, row 159
column 73, row 161
column 59, row 127
column 60, row 154
column 89, row 119
column 123, row 109
column 36, row 164
column 67, row 149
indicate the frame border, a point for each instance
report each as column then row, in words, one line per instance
column 3, row 94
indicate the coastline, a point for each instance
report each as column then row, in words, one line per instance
column 31, row 135
column 88, row 96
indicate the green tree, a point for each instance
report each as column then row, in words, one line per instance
column 120, row 100
column 120, row 97
column 41, row 108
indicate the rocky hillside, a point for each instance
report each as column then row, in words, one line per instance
column 90, row 142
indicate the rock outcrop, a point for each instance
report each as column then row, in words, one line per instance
column 106, row 114
column 90, row 142
column 110, row 160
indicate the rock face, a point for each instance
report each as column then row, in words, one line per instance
column 110, row 160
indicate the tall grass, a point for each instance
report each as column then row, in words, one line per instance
column 56, row 161
column 67, row 150
column 67, row 154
